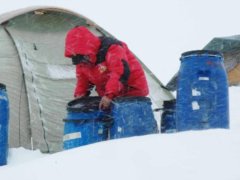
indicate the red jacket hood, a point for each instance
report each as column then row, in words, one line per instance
column 80, row 40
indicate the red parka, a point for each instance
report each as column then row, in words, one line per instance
column 119, row 74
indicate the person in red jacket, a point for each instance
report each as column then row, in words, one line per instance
column 105, row 63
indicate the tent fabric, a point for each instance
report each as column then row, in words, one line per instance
column 39, row 79
column 36, row 9
column 234, row 75
column 11, row 74
column 229, row 47
column 47, row 94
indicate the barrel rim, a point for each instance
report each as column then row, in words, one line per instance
column 202, row 52
column 2, row 86
column 82, row 121
column 70, row 108
column 132, row 99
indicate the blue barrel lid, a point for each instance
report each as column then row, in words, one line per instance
column 84, row 104
column 2, row 86
column 201, row 52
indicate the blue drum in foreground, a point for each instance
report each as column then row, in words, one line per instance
column 132, row 116
column 4, row 118
column 84, row 123
column 202, row 92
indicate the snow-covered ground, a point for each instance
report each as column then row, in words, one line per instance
column 208, row 154
column 158, row 32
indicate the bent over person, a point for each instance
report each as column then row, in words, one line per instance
column 105, row 63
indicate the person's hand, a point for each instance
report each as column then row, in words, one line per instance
column 105, row 103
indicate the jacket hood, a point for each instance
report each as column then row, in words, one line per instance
column 80, row 40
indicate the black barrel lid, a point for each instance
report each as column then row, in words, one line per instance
column 201, row 52
column 84, row 104
column 169, row 104
column 132, row 99
column 2, row 86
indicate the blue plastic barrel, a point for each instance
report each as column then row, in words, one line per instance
column 84, row 123
column 132, row 116
column 4, row 118
column 202, row 92
column 168, row 117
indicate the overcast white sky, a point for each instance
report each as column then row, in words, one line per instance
column 155, row 24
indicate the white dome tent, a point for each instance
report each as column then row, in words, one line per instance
column 39, row 79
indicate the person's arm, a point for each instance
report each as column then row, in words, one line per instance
column 119, row 71
column 118, row 74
